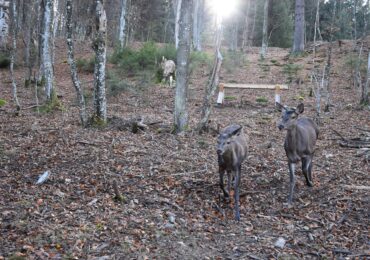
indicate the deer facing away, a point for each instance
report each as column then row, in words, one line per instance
column 231, row 152
column 299, row 144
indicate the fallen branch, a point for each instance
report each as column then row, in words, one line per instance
column 356, row 187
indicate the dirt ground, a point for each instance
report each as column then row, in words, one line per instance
column 171, row 206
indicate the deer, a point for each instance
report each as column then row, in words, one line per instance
column 299, row 144
column 231, row 151
column 169, row 68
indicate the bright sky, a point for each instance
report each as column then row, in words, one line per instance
column 223, row 8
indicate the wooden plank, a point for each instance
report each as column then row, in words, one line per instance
column 255, row 86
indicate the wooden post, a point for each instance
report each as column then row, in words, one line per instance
column 221, row 94
column 277, row 94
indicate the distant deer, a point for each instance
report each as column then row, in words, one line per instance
column 169, row 69
column 231, row 152
column 300, row 141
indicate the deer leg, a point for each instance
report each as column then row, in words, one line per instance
column 229, row 181
column 306, row 162
column 236, row 193
column 222, row 171
column 309, row 170
column 292, row 181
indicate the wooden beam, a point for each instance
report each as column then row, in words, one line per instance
column 255, row 86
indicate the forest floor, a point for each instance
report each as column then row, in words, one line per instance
column 171, row 206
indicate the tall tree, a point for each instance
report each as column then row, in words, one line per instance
column 100, row 102
column 182, row 72
column 327, row 69
column 264, row 29
column 177, row 20
column 299, row 26
column 4, row 23
column 246, row 36
column 198, row 15
column 47, row 49
column 72, row 64
column 122, row 23
column 13, row 54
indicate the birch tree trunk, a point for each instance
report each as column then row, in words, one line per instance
column 13, row 55
column 4, row 23
column 47, row 49
column 122, row 24
column 72, row 64
column 177, row 19
column 213, row 81
column 264, row 29
column 100, row 102
column 195, row 23
column 298, row 44
column 198, row 24
column 28, row 34
column 182, row 71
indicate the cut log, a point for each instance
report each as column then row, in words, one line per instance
column 255, row 86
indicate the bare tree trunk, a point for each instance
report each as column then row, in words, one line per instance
column 177, row 19
column 213, row 81
column 13, row 55
column 4, row 23
column 72, row 64
column 246, row 26
column 234, row 35
column 182, row 72
column 328, row 63
column 298, row 44
column 100, row 102
column 317, row 21
column 364, row 100
column 122, row 24
column 198, row 24
column 251, row 35
column 264, row 29
column 28, row 9
column 354, row 28
column 365, row 87
column 47, row 49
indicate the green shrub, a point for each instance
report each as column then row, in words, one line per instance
column 115, row 85
column 200, row 59
column 4, row 60
column 168, row 51
column 2, row 102
column 230, row 98
column 86, row 65
column 234, row 59
column 261, row 100
column 291, row 70
column 352, row 62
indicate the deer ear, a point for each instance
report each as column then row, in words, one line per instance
column 299, row 109
column 279, row 106
column 236, row 131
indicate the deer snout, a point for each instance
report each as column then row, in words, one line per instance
column 281, row 126
column 219, row 151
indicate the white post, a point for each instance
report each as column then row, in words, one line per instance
column 221, row 94
column 277, row 94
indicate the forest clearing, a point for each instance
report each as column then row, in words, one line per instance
column 133, row 188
